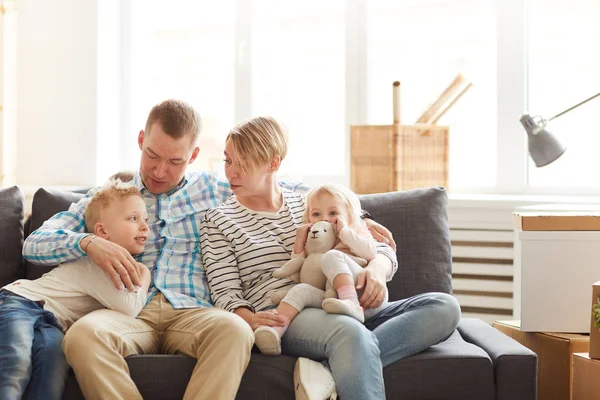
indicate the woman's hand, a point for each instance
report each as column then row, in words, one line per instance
column 380, row 233
column 373, row 278
column 266, row 318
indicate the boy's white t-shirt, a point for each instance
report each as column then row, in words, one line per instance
column 77, row 288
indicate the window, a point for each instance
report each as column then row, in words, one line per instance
column 183, row 49
column 298, row 76
column 319, row 66
column 564, row 69
column 8, row 70
column 424, row 45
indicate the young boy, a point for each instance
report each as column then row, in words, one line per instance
column 35, row 314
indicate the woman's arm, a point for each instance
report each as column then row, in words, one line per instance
column 372, row 278
column 221, row 267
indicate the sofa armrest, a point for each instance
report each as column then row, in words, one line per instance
column 515, row 366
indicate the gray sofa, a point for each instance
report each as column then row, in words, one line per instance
column 475, row 362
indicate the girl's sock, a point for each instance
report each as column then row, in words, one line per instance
column 281, row 329
column 348, row 292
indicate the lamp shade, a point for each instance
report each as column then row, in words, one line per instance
column 543, row 147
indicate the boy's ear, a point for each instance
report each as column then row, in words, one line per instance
column 100, row 231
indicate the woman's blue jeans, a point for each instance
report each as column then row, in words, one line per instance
column 32, row 363
column 356, row 353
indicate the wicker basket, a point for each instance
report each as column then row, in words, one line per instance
column 387, row 158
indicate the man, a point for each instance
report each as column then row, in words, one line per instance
column 178, row 317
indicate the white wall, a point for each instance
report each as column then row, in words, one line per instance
column 57, row 91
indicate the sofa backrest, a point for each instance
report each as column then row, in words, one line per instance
column 11, row 234
column 418, row 220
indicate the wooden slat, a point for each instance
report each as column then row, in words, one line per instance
column 488, row 318
column 486, row 294
column 483, row 252
column 482, row 285
column 482, row 269
column 481, row 235
column 485, row 302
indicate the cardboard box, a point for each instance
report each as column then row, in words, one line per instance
column 586, row 377
column 595, row 324
column 553, row 273
column 555, row 352
column 557, row 220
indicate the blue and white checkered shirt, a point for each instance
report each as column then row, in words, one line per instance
column 172, row 251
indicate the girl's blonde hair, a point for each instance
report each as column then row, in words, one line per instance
column 258, row 141
column 114, row 190
column 342, row 195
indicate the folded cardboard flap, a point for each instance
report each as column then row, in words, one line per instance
column 586, row 373
column 557, row 220
column 554, row 351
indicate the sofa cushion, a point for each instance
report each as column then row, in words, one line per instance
column 46, row 203
column 452, row 369
column 11, row 234
column 419, row 222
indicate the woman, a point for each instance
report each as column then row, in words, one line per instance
column 246, row 238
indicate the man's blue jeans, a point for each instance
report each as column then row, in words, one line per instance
column 32, row 363
column 357, row 353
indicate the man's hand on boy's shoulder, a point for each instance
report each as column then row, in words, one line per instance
column 120, row 266
column 380, row 233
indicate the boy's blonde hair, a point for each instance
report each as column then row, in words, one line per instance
column 258, row 141
column 342, row 195
column 114, row 190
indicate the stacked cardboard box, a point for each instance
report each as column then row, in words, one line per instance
column 555, row 354
column 586, row 377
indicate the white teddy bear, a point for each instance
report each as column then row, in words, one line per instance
column 321, row 238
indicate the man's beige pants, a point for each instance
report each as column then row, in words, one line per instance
column 220, row 341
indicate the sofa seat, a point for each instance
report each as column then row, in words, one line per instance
column 458, row 368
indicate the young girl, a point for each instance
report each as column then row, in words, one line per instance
column 340, row 207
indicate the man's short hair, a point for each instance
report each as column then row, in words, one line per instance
column 177, row 119
column 257, row 141
column 114, row 190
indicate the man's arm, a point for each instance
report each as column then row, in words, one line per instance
column 58, row 240
column 297, row 187
column 380, row 232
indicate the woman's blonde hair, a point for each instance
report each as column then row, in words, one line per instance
column 342, row 195
column 258, row 141
column 114, row 190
